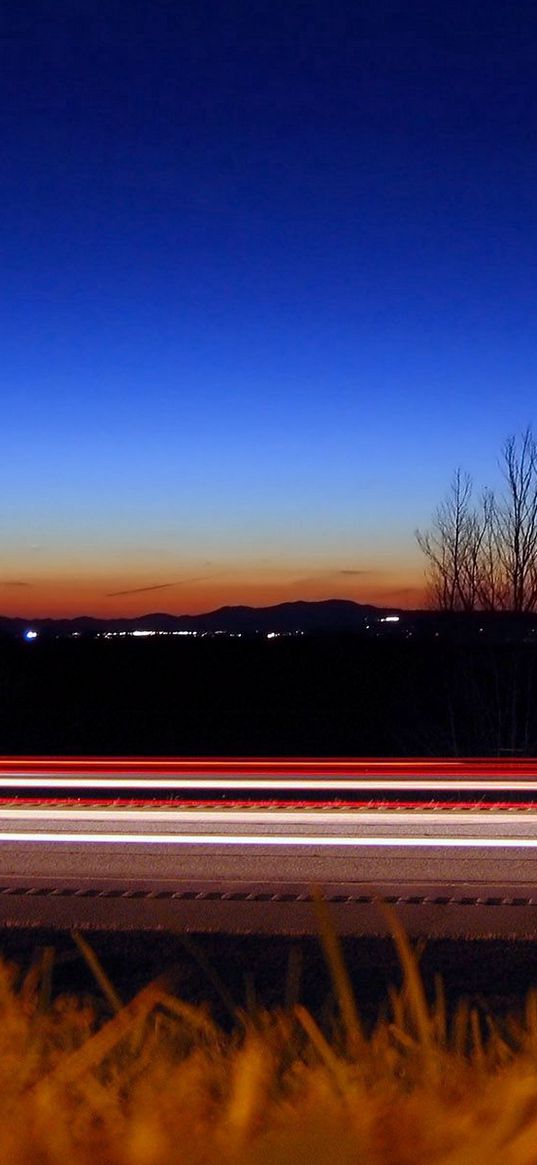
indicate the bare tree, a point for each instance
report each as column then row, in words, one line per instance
column 452, row 546
column 486, row 559
column 515, row 522
column 492, row 593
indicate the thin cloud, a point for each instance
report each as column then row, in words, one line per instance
column 15, row 582
column 139, row 590
column 158, row 586
column 324, row 576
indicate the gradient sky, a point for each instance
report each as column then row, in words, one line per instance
column 269, row 275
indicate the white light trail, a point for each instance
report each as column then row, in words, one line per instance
column 311, row 817
column 124, row 783
column 269, row 840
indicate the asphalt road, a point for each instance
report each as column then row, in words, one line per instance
column 449, row 873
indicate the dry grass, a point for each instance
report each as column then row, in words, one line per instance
column 158, row 1083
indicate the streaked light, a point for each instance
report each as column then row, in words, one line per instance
column 285, row 816
column 250, row 840
column 126, row 783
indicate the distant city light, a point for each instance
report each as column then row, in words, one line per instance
column 390, row 619
column 143, row 633
column 29, row 634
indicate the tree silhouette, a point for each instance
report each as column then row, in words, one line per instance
column 452, row 546
column 515, row 523
column 485, row 557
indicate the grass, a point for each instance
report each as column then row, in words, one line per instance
column 155, row 1081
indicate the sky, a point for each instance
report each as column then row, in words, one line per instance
column 268, row 277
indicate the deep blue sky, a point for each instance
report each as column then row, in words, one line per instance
column 269, row 275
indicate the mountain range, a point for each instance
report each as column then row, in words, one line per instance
column 331, row 616
column 336, row 615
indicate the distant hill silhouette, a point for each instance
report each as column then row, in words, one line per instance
column 331, row 616
column 336, row 615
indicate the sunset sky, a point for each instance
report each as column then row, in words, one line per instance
column 269, row 275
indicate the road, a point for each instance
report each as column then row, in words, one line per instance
column 251, row 869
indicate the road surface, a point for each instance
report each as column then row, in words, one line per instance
column 251, row 868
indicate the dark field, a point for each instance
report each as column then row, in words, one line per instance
column 230, row 972
column 310, row 696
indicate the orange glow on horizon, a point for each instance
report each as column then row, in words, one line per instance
column 67, row 598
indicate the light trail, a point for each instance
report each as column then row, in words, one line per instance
column 171, row 784
column 358, row 768
column 278, row 781
column 318, row 840
column 258, row 816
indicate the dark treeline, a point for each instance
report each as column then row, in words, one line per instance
column 309, row 696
